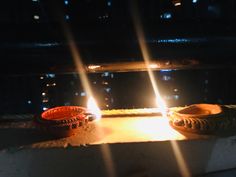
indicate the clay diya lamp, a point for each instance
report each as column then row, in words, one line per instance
column 202, row 118
column 62, row 121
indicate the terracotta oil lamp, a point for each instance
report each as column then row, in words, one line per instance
column 203, row 118
column 62, row 121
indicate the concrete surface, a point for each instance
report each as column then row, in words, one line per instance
column 126, row 147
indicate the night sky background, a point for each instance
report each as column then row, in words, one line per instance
column 33, row 45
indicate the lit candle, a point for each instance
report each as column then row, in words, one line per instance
column 93, row 109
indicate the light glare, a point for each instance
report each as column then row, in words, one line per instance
column 162, row 106
column 93, row 66
column 93, row 108
column 153, row 66
column 178, row 4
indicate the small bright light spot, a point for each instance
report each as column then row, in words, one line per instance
column 36, row 17
column 67, row 103
column 166, row 15
column 166, row 70
column 109, row 3
column 104, row 83
column 93, row 66
column 176, row 90
column 45, row 100
column 76, row 93
column 53, row 84
column 82, row 94
column 50, row 75
column 41, row 77
column 43, row 94
column 45, row 108
column 195, row 1
column 29, row 102
column 35, row 0
column 93, row 108
column 178, row 4
column 166, row 78
column 108, row 90
column 66, row 2
column 176, row 97
column 153, row 66
column 105, row 74
column 177, row 40
column 67, row 17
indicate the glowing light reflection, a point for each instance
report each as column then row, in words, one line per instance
column 146, row 56
column 153, row 66
column 157, row 129
column 107, row 157
column 180, row 159
column 93, row 66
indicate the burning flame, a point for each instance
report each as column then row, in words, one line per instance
column 93, row 108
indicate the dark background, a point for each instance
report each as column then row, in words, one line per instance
column 35, row 55
column 33, row 38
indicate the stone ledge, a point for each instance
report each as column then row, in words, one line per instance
column 140, row 146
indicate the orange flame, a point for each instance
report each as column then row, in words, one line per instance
column 93, row 108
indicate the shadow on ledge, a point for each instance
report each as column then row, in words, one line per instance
column 17, row 137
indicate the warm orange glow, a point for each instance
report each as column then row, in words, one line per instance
column 93, row 108
column 156, row 129
column 93, row 66
column 153, row 65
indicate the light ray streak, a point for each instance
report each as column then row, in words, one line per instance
column 180, row 159
column 106, row 154
column 78, row 62
column 146, row 56
column 105, row 149
column 107, row 157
